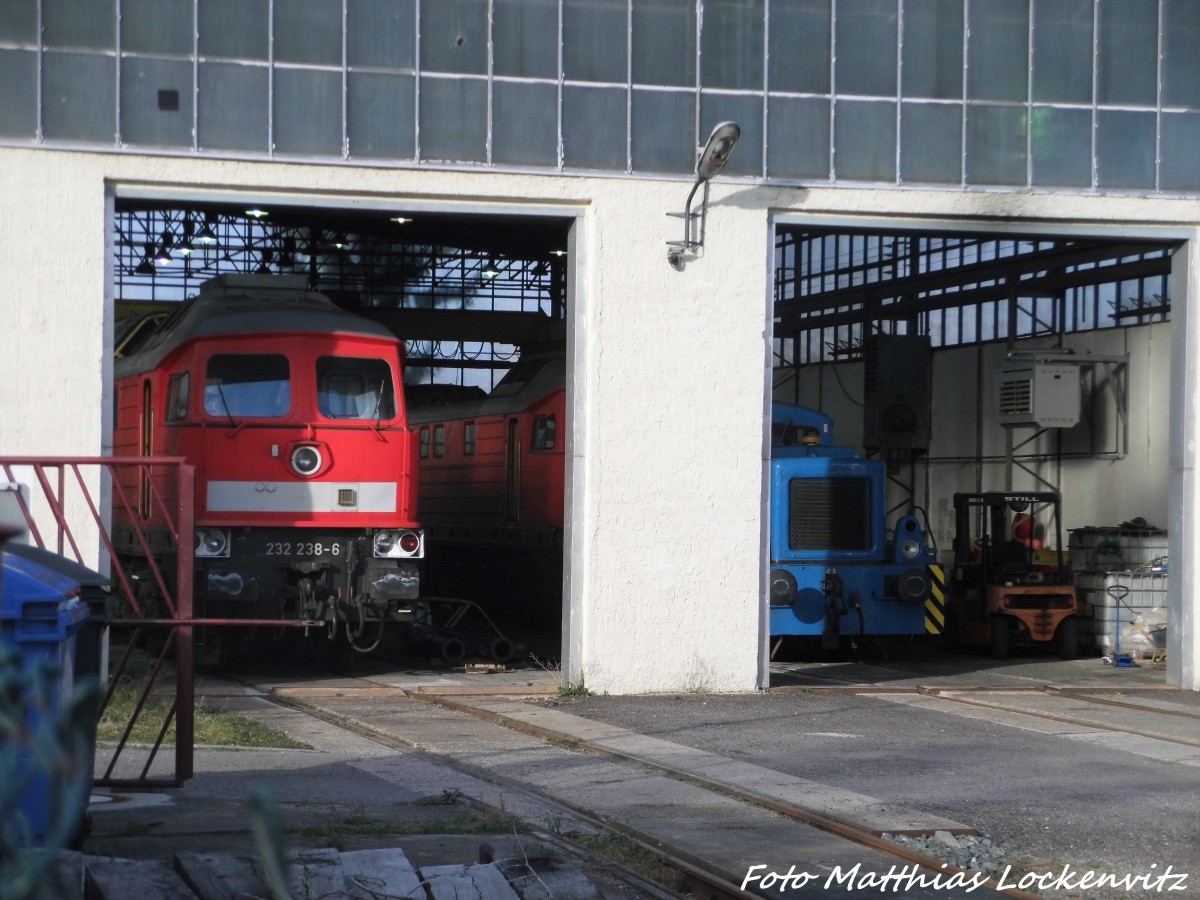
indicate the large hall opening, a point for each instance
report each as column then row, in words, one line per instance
column 479, row 302
column 964, row 391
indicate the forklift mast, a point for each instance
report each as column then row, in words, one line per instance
column 998, row 553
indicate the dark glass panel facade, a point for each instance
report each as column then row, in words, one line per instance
column 931, row 143
column 1092, row 95
column 933, row 49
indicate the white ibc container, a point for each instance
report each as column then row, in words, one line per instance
column 1099, row 608
column 1095, row 549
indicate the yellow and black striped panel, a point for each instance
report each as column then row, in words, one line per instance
column 935, row 604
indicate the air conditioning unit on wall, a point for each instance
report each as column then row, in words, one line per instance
column 1038, row 393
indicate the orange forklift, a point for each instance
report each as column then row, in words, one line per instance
column 1005, row 590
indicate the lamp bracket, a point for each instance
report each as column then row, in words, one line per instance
column 710, row 161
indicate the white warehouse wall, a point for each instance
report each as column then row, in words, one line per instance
column 664, row 559
column 666, row 470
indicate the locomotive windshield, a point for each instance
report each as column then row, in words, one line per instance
column 354, row 388
column 247, row 385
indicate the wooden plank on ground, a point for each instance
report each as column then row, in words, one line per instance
column 356, row 693
column 219, row 876
column 482, row 882
column 145, row 879
column 381, row 873
column 63, row 877
column 541, row 871
column 316, row 873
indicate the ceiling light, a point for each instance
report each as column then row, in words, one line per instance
column 490, row 271
column 558, row 252
column 185, row 243
column 163, row 256
column 255, row 213
column 207, row 235
column 401, row 220
column 287, row 257
column 146, row 267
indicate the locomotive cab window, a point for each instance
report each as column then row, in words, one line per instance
column 353, row 388
column 469, row 439
column 247, row 385
column 177, row 398
column 543, row 433
column 439, row 440
column 424, row 442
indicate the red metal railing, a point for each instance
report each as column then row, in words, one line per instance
column 58, row 478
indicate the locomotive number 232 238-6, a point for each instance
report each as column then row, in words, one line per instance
column 303, row 548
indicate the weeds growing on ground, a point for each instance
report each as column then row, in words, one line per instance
column 566, row 689
column 448, row 797
column 626, row 852
column 213, row 727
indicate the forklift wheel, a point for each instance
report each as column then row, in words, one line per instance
column 1001, row 628
column 950, row 638
column 1068, row 638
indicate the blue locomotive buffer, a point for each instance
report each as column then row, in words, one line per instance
column 836, row 569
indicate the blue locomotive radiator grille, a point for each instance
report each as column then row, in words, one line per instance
column 829, row 514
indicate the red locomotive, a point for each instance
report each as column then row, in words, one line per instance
column 491, row 486
column 289, row 409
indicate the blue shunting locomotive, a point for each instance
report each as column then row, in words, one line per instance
column 836, row 570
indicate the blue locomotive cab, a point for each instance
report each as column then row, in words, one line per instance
column 836, row 568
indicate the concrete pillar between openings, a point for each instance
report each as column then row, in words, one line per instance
column 1183, row 622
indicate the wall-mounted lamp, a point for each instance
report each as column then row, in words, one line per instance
column 709, row 164
column 490, row 271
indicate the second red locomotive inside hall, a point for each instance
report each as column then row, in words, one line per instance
column 491, row 475
column 291, row 411
column 492, row 466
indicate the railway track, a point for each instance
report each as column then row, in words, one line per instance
column 693, row 881
column 1114, row 709
column 1157, row 714
column 701, row 880
column 1119, row 715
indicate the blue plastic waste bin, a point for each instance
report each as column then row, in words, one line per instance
column 40, row 617
column 94, row 591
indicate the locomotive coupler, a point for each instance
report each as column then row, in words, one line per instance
column 832, row 586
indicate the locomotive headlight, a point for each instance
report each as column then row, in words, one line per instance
column 212, row 542
column 783, row 587
column 384, row 542
column 399, row 544
column 909, row 541
column 306, row 461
